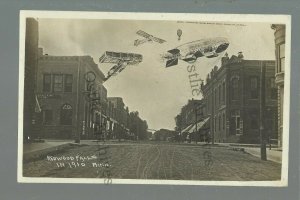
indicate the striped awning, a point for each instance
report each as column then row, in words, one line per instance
column 187, row 128
column 200, row 125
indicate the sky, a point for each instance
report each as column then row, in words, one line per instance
column 156, row 92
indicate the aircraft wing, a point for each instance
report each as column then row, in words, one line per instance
column 174, row 51
column 143, row 34
column 158, row 40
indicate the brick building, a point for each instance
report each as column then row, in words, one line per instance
column 30, row 70
column 121, row 129
column 232, row 99
column 279, row 76
column 71, row 97
column 74, row 102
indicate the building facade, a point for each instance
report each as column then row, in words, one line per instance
column 121, row 129
column 232, row 97
column 74, row 102
column 279, row 76
column 191, row 122
column 30, row 70
column 70, row 94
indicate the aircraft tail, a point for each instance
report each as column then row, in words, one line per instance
column 172, row 62
column 173, row 59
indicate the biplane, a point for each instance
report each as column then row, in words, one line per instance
column 121, row 60
column 189, row 52
column 147, row 38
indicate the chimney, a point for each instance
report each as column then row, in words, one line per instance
column 240, row 55
column 40, row 51
column 225, row 59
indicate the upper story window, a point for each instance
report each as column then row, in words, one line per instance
column 254, row 87
column 281, row 57
column 57, row 82
column 68, row 82
column 273, row 88
column 220, row 92
column 223, row 94
column 235, row 88
column 47, row 83
column 216, row 103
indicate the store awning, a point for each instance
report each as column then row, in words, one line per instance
column 200, row 125
column 187, row 128
column 37, row 107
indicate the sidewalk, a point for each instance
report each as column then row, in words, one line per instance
column 31, row 147
column 37, row 151
column 274, row 155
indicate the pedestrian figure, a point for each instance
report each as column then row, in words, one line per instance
column 208, row 161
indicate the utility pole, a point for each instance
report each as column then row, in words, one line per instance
column 263, row 153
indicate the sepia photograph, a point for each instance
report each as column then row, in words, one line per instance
column 154, row 98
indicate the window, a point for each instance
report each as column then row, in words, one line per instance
column 47, row 83
column 273, row 88
column 207, row 100
column 47, row 117
column 215, row 124
column 281, row 57
column 235, row 89
column 235, row 122
column 68, row 82
column 223, row 95
column 58, row 83
column 253, row 87
column 220, row 91
column 220, row 122
column 66, row 114
column 223, row 121
column 254, row 120
column 216, row 98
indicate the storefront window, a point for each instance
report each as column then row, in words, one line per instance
column 66, row 114
column 47, row 117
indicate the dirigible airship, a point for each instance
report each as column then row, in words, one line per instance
column 189, row 52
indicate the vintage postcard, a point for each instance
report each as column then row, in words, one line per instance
column 154, row 98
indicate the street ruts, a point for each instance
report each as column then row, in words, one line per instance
column 165, row 161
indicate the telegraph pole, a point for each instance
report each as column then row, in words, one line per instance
column 263, row 153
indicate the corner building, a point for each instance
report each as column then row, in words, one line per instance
column 232, row 99
column 279, row 76
column 71, row 96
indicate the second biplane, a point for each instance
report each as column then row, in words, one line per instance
column 147, row 38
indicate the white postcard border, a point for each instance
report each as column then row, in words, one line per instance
column 266, row 18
